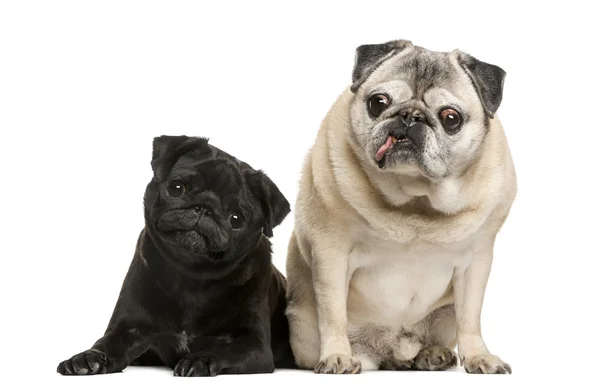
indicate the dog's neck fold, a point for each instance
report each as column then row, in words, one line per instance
column 171, row 273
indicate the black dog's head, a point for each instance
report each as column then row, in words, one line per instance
column 206, row 208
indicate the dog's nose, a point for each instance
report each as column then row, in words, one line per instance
column 411, row 117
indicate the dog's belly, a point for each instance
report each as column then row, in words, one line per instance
column 396, row 287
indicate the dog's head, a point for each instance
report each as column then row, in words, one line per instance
column 205, row 207
column 418, row 111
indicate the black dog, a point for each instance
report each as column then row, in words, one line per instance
column 201, row 295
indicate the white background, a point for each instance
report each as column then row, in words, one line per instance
column 86, row 85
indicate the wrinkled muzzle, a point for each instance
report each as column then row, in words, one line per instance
column 196, row 227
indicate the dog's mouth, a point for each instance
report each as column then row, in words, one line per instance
column 391, row 143
column 195, row 241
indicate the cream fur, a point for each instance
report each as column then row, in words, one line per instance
column 367, row 253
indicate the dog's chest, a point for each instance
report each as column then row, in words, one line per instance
column 192, row 328
column 396, row 285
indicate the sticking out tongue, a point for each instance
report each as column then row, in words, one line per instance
column 384, row 148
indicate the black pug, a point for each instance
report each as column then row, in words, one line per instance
column 201, row 295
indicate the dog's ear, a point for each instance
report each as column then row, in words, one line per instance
column 369, row 57
column 166, row 150
column 272, row 202
column 487, row 79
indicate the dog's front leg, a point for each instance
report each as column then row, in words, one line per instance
column 242, row 349
column 330, row 272
column 226, row 355
column 122, row 343
column 469, row 290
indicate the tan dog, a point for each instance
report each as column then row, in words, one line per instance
column 400, row 201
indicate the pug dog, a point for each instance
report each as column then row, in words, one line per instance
column 201, row 295
column 400, row 201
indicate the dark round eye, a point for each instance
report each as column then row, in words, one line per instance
column 451, row 120
column 236, row 221
column 176, row 189
column 377, row 104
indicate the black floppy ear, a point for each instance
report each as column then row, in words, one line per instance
column 167, row 149
column 273, row 204
column 369, row 57
column 487, row 79
column 162, row 145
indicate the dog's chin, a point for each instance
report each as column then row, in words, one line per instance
column 399, row 160
column 403, row 157
column 193, row 243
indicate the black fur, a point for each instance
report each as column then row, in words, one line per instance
column 488, row 80
column 369, row 57
column 200, row 296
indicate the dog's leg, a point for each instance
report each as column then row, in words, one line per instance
column 121, row 344
column 301, row 309
column 439, row 339
column 469, row 290
column 216, row 356
column 243, row 350
column 330, row 281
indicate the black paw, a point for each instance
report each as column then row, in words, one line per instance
column 198, row 364
column 90, row 362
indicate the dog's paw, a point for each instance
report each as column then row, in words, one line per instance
column 338, row 364
column 197, row 364
column 90, row 362
column 434, row 358
column 487, row 363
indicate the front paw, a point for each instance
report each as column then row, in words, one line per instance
column 339, row 364
column 90, row 362
column 434, row 358
column 486, row 363
column 197, row 364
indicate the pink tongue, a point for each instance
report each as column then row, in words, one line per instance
column 383, row 149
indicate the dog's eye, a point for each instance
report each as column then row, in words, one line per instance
column 450, row 118
column 176, row 189
column 236, row 221
column 377, row 104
